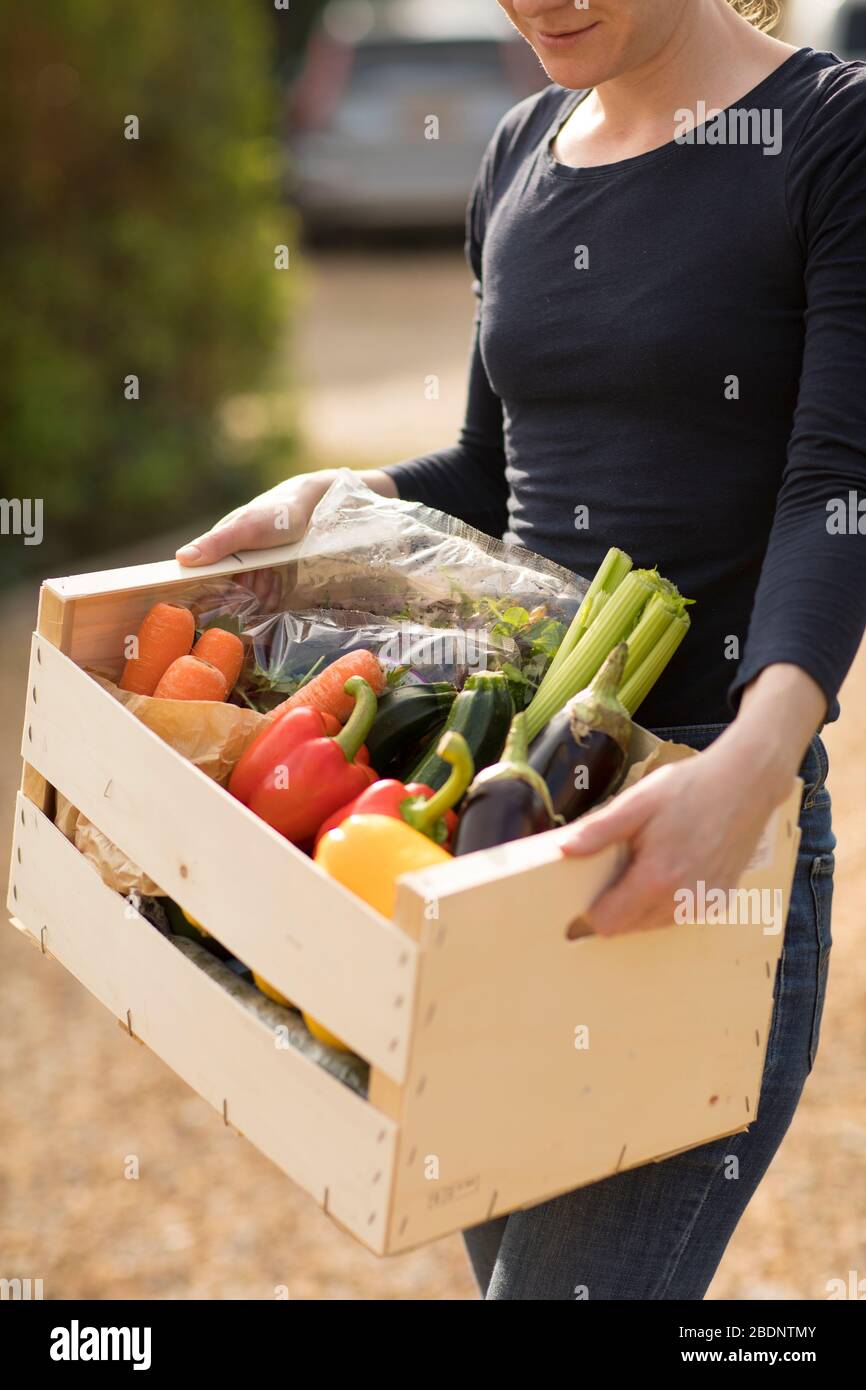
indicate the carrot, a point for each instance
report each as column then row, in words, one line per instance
column 190, row 678
column 166, row 632
column 224, row 650
column 325, row 692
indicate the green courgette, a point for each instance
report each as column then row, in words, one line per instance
column 407, row 720
column 482, row 713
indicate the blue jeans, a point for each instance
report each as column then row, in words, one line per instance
column 659, row 1231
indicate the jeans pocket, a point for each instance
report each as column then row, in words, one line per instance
column 821, row 879
column 776, row 1016
column 816, row 765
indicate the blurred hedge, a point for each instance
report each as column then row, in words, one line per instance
column 152, row 257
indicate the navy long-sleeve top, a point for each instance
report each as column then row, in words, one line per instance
column 670, row 357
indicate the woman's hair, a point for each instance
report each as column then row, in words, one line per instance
column 764, row 14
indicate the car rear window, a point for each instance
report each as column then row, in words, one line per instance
column 396, row 85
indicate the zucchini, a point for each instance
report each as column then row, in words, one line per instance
column 482, row 713
column 407, row 720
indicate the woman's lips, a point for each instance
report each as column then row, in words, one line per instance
column 565, row 40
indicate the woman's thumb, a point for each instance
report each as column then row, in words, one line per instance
column 252, row 528
column 611, row 825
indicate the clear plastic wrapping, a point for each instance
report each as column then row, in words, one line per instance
column 426, row 592
column 288, row 649
column 381, row 555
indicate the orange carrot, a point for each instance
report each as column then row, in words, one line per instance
column 222, row 649
column 166, row 632
column 190, row 678
column 325, row 692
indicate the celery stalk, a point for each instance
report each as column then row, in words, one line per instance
column 614, row 624
column 609, row 575
column 659, row 613
column 637, row 686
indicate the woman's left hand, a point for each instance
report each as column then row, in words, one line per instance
column 696, row 820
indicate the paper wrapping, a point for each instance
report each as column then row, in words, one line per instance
column 212, row 735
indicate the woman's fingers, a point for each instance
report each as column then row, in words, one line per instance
column 641, row 898
column 277, row 517
column 255, row 527
column 267, row 585
column 629, row 905
column 618, row 821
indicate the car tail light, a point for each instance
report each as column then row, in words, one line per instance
column 322, row 82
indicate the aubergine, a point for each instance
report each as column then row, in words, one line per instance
column 407, row 721
column 582, row 752
column 505, row 802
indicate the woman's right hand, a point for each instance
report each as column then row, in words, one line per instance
column 277, row 517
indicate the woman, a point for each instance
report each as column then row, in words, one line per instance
column 672, row 334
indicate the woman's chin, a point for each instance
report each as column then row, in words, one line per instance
column 577, row 71
column 585, row 59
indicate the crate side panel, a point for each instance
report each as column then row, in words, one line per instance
column 262, row 898
column 54, row 623
column 166, row 575
column 329, row 1140
column 105, row 607
column 543, row 1063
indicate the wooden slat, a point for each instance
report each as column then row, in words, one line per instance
column 54, row 623
column 329, row 1140
column 166, row 574
column 498, row 1095
column 104, row 607
column 265, row 900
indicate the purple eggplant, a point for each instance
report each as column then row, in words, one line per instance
column 582, row 752
column 505, row 802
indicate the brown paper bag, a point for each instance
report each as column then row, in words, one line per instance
column 213, row 736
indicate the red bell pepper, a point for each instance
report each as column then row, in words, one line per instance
column 277, row 740
column 389, row 797
column 318, row 776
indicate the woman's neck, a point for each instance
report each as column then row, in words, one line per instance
column 711, row 60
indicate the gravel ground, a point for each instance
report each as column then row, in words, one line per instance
column 209, row 1217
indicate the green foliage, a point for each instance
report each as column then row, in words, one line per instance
column 151, row 256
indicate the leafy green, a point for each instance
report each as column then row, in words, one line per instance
column 265, row 687
column 536, row 636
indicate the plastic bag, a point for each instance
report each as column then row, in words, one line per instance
column 398, row 557
column 214, row 601
column 410, row 564
column 291, row 648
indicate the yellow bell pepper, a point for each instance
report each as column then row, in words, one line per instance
column 270, row 991
column 369, row 853
column 193, row 923
column 323, row 1034
column 317, row 1029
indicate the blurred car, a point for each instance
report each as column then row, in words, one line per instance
column 365, row 150
column 834, row 26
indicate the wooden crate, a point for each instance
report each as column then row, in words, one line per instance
column 467, row 1006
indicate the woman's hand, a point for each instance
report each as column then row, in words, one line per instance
column 699, row 820
column 689, row 821
column 277, row 517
